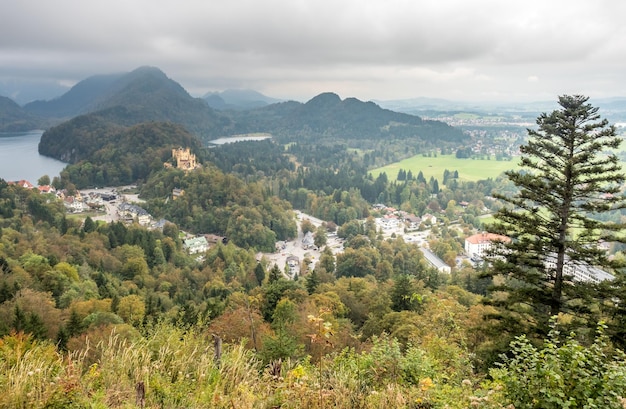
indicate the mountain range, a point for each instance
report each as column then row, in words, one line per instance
column 150, row 86
column 146, row 89
column 100, row 104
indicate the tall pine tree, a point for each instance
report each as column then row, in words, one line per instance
column 569, row 177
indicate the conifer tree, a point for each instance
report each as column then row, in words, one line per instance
column 275, row 274
column 259, row 273
column 312, row 282
column 89, row 225
column 401, row 175
column 569, row 176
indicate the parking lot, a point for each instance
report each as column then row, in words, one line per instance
column 295, row 248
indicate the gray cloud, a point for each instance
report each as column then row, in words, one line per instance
column 481, row 49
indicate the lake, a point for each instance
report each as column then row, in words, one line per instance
column 19, row 158
column 241, row 138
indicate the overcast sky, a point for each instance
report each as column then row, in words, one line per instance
column 495, row 50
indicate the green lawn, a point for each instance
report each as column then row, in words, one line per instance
column 469, row 169
column 83, row 215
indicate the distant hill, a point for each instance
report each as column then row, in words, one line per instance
column 82, row 98
column 438, row 108
column 328, row 116
column 614, row 109
column 24, row 90
column 15, row 119
column 238, row 99
column 143, row 95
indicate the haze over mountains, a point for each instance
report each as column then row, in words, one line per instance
column 147, row 94
column 238, row 99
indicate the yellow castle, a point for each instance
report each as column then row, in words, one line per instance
column 184, row 159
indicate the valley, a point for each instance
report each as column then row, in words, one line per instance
column 358, row 257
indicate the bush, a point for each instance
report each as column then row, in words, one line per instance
column 563, row 375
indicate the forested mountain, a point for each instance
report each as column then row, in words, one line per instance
column 238, row 99
column 145, row 94
column 103, row 153
column 80, row 99
column 13, row 118
column 328, row 116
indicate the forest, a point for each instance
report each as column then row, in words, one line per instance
column 114, row 315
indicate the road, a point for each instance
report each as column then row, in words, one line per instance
column 294, row 247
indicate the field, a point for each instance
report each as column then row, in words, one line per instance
column 469, row 169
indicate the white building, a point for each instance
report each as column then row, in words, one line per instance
column 429, row 217
column 579, row 271
column 196, row 245
column 308, row 241
column 478, row 244
column 131, row 212
column 388, row 222
column 74, row 205
column 435, row 261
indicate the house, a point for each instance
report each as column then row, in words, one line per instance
column 159, row 224
column 389, row 221
column 46, row 189
column 308, row 241
column 130, row 212
column 402, row 214
column 429, row 218
column 74, row 205
column 293, row 262
column 435, row 261
column 214, row 239
column 196, row 245
column 94, row 201
column 23, row 183
column 61, row 194
column 412, row 222
column 176, row 193
column 477, row 245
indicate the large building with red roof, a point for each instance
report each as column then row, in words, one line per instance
column 478, row 244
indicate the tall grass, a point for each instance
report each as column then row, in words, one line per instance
column 178, row 370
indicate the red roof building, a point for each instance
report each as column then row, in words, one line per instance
column 478, row 244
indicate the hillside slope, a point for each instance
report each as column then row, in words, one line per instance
column 15, row 119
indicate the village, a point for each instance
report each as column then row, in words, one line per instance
column 293, row 257
column 113, row 204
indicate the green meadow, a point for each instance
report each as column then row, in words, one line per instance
column 469, row 169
